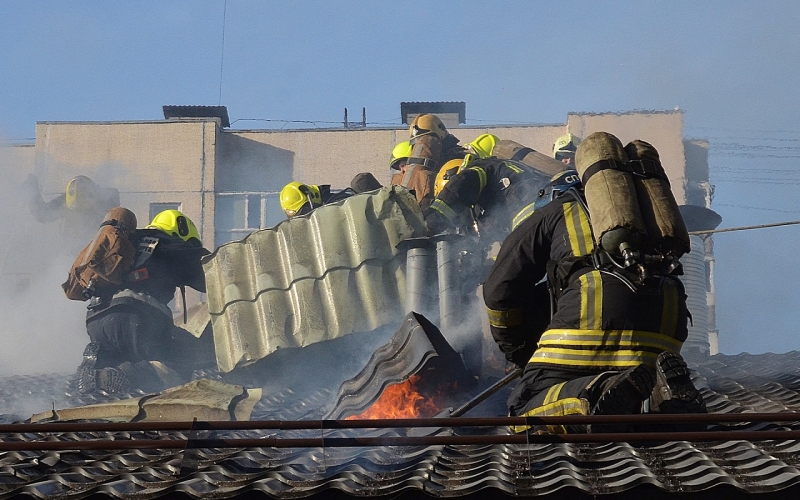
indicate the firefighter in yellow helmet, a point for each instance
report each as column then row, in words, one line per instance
column 175, row 223
column 612, row 344
column 135, row 343
column 498, row 193
column 432, row 146
column 79, row 209
column 299, row 199
column 564, row 149
column 483, row 145
column 400, row 155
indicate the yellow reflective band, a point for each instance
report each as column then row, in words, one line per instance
column 609, row 338
column 578, row 229
column 591, row 300
column 552, row 393
column 521, row 216
column 602, row 349
column 444, row 209
column 513, row 167
column 481, row 176
column 669, row 313
column 504, row 319
column 558, row 408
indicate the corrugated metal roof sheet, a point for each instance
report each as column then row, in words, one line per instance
column 302, row 281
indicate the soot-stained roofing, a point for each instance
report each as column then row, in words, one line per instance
column 724, row 468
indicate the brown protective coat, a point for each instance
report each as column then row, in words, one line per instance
column 106, row 260
column 421, row 182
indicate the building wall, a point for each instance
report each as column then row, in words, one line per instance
column 192, row 161
column 148, row 162
column 663, row 129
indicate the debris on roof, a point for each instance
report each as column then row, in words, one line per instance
column 202, row 399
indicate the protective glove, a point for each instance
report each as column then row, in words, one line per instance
column 435, row 222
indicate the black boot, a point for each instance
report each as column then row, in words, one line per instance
column 623, row 394
column 86, row 378
column 674, row 391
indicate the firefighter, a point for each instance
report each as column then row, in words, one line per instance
column 564, row 149
column 611, row 345
column 483, row 145
column 498, row 194
column 299, row 199
column 431, row 147
column 134, row 343
column 416, row 176
column 79, row 209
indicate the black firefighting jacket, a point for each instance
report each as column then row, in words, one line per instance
column 163, row 264
column 599, row 323
column 501, row 189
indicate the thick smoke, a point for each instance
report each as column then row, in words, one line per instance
column 42, row 331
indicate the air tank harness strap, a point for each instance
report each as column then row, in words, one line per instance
column 427, row 163
column 647, row 169
column 521, row 153
column 560, row 274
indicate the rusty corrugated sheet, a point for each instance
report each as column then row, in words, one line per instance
column 320, row 276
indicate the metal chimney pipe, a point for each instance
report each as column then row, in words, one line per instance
column 420, row 275
column 449, row 291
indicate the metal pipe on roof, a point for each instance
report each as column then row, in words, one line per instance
column 376, row 441
column 420, row 288
column 652, row 418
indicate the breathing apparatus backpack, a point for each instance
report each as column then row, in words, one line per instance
column 102, row 266
column 635, row 220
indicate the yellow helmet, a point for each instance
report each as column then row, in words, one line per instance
column 426, row 124
column 484, row 145
column 174, row 223
column 566, row 144
column 447, row 171
column 400, row 152
column 80, row 192
column 298, row 198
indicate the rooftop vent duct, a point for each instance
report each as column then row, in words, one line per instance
column 178, row 112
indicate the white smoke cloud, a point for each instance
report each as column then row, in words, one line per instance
column 41, row 331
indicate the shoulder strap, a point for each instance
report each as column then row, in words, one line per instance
column 409, row 173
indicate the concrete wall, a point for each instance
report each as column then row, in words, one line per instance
column 664, row 130
column 188, row 161
column 163, row 161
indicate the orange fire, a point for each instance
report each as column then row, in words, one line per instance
column 400, row 401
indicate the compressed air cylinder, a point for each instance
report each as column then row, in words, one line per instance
column 511, row 150
column 610, row 194
column 666, row 230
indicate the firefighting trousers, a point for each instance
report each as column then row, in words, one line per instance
column 550, row 392
column 132, row 333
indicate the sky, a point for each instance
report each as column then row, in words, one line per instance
column 731, row 66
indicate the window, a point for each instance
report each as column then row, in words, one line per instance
column 157, row 208
column 239, row 214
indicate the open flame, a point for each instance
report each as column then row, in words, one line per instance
column 401, row 400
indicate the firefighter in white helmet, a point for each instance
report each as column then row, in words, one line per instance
column 564, row 149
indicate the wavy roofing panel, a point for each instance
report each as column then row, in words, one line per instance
column 315, row 277
column 765, row 469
